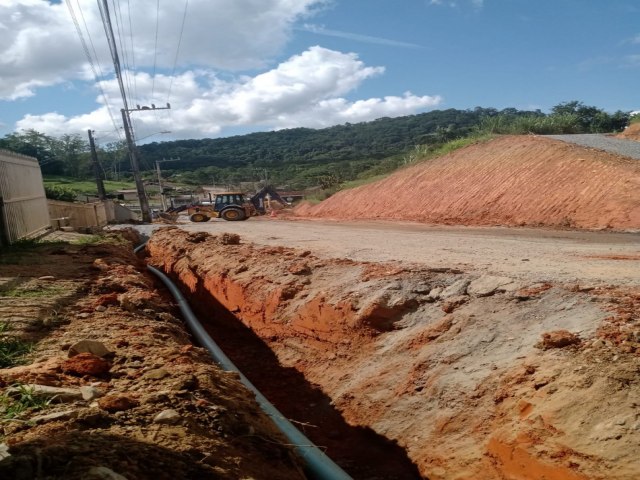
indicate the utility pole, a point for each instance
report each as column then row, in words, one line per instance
column 135, row 167
column 158, row 162
column 126, row 119
column 102, row 195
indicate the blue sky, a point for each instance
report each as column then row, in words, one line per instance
column 249, row 65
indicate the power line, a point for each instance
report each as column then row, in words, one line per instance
column 123, row 48
column 90, row 59
column 133, row 53
column 175, row 60
column 155, row 50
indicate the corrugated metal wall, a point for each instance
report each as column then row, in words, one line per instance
column 23, row 205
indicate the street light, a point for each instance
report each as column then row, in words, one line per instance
column 152, row 134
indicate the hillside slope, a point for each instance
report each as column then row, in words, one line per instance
column 513, row 180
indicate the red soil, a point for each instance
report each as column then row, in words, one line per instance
column 512, row 180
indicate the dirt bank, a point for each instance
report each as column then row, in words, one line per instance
column 111, row 386
column 523, row 180
column 475, row 376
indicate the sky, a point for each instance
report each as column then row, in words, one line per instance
column 230, row 67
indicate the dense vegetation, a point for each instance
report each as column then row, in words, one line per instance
column 302, row 157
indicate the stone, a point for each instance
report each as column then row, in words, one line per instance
column 93, row 347
column 86, row 364
column 101, row 308
column 102, row 473
column 47, row 277
column 55, row 393
column 90, row 392
column 422, row 289
column 167, row 417
column 558, row 339
column 454, row 302
column 51, row 417
column 156, row 374
column 456, row 289
column 487, row 285
column 4, row 451
column 117, row 403
column 435, row 292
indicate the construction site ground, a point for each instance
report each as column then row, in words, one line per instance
column 406, row 350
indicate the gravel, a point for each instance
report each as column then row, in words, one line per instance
column 628, row 148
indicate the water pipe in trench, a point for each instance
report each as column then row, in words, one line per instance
column 317, row 465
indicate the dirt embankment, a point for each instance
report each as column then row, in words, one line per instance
column 517, row 181
column 632, row 132
column 475, row 376
column 113, row 387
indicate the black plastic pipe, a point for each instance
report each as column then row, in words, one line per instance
column 317, row 464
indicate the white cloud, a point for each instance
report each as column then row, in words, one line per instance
column 40, row 46
column 308, row 89
column 477, row 4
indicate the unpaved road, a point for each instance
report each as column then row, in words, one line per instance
column 620, row 146
column 536, row 254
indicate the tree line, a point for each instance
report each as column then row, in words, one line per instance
column 302, row 157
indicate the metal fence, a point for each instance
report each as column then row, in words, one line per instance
column 23, row 205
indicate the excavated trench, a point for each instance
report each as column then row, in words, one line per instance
column 360, row 451
column 402, row 371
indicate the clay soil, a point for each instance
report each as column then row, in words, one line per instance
column 516, row 181
column 404, row 350
column 57, row 294
column 474, row 375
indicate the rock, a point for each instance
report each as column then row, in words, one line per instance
column 4, row 451
column 55, row 393
column 229, row 239
column 102, row 473
column 435, row 292
column 167, row 417
column 422, row 289
column 456, row 289
column 64, row 415
column 301, row 268
column 47, row 277
column 90, row 393
column 83, row 315
column 100, row 308
column 117, row 403
column 557, row 339
column 454, row 302
column 487, row 285
column 156, row 374
column 93, row 347
column 86, row 364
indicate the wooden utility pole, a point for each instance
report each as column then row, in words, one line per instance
column 158, row 162
column 102, row 194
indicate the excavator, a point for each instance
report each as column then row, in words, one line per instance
column 234, row 206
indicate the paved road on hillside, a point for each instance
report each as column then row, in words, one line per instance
column 620, row 146
column 531, row 254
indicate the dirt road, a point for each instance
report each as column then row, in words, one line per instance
column 535, row 254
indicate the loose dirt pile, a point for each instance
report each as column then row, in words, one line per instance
column 632, row 132
column 475, row 376
column 516, row 181
column 113, row 387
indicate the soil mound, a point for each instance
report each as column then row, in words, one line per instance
column 513, row 180
column 632, row 132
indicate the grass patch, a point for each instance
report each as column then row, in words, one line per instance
column 13, row 351
column 20, row 400
column 34, row 291
column 358, row 182
column 87, row 187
